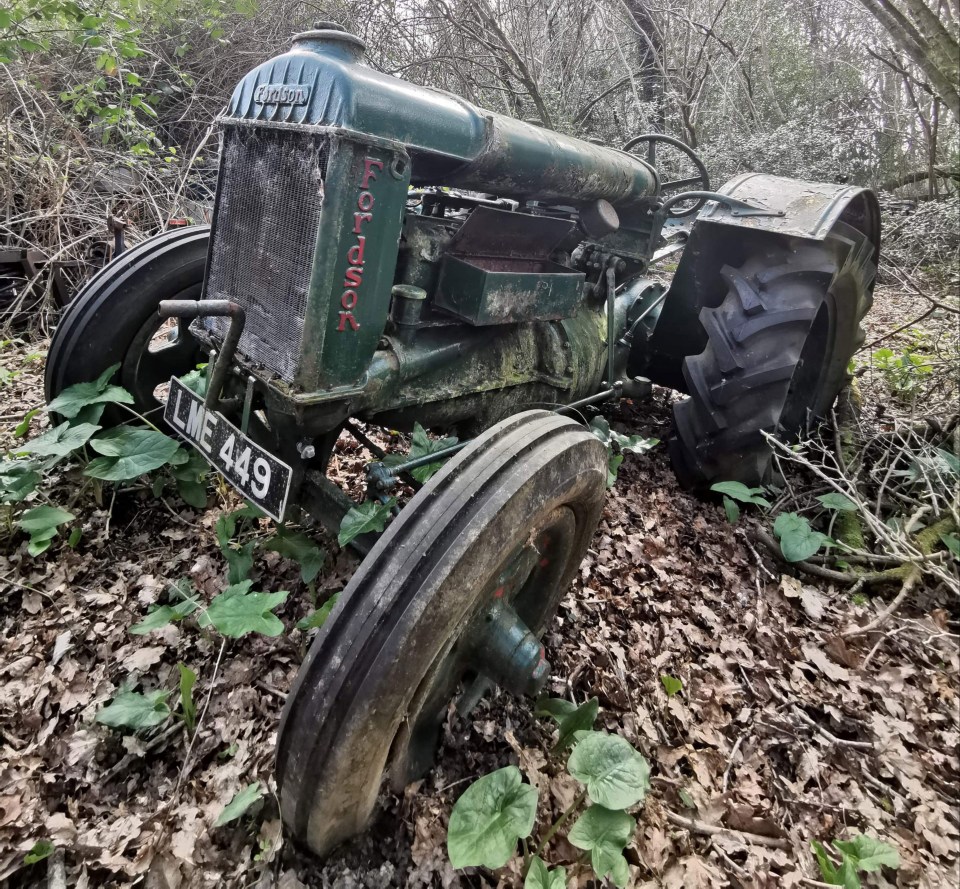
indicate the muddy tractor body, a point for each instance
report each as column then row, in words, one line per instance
column 387, row 253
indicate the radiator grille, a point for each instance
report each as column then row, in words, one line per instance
column 265, row 228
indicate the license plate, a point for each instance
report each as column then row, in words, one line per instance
column 255, row 473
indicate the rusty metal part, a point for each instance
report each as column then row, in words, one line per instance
column 212, row 308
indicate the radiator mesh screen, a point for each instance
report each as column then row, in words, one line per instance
column 265, row 228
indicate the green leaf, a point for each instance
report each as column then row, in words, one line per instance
column 739, row 491
column 613, row 467
column 671, row 685
column 615, row 774
column 731, row 509
column 74, row 398
column 41, row 849
column 421, row 445
column 297, row 546
column 20, row 430
column 319, row 617
column 372, row 515
column 604, row 833
column 129, row 452
column 41, row 524
column 845, row 875
column 581, row 719
column 239, row 561
column 190, row 477
column 868, row 853
column 236, row 611
column 837, row 501
column 555, row 708
column 540, row 877
column 489, row 818
column 74, row 537
column 130, row 709
column 242, row 801
column 951, row 462
column 164, row 614
column 18, row 479
column 187, row 681
column 952, row 543
column 798, row 541
column 59, row 441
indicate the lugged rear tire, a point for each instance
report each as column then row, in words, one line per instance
column 777, row 352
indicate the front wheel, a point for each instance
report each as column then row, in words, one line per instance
column 114, row 320
column 777, row 352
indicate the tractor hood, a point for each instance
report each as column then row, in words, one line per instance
column 323, row 82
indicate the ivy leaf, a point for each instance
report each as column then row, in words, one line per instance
column 372, row 515
column 540, row 877
column 798, row 541
column 421, row 445
column 616, row 775
column 236, row 611
column 74, row 398
column 488, row 819
column 129, row 452
column 868, row 853
column 319, row 617
column 671, row 685
column 130, row 709
column 837, row 501
column 731, row 509
column 297, row 546
column 60, row 440
column 241, row 801
column 581, row 719
column 604, row 833
column 739, row 491
column 41, row 849
column 41, row 524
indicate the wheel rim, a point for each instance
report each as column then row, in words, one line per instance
column 495, row 645
column 163, row 348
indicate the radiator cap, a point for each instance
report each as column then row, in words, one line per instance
column 331, row 34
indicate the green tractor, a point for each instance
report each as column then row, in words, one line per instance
column 388, row 253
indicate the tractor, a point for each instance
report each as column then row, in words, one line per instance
column 382, row 254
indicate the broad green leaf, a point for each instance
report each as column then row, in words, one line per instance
column 74, row 537
column 798, row 541
column 297, row 546
column 731, row 509
column 239, row 804
column 615, row 774
column 130, row 709
column 187, row 681
column 190, row 476
column 868, row 853
column 129, row 452
column 845, row 875
column 18, row 479
column 739, row 491
column 59, row 441
column 555, row 708
column 489, row 818
column 41, row 524
column 421, row 445
column 41, row 849
column 163, row 615
column 21, row 429
column 952, row 543
column 236, row 612
column 836, row 501
column 604, row 833
column 319, row 617
column 613, row 467
column 371, row 515
column 671, row 685
column 239, row 561
column 581, row 719
column 74, row 398
column 540, row 877
column 951, row 462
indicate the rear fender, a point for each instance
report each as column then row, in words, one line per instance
column 719, row 237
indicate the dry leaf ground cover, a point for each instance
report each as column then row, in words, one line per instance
column 780, row 733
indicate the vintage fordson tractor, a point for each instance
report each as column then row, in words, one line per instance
column 389, row 253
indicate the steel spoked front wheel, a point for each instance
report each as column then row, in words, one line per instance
column 453, row 597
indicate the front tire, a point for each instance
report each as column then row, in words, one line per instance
column 114, row 320
column 777, row 352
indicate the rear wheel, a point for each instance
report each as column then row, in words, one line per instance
column 114, row 320
column 777, row 352
column 454, row 596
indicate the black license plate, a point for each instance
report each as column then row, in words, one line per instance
column 255, row 473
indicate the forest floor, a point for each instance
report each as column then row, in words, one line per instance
column 783, row 732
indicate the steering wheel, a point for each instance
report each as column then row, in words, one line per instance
column 701, row 180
